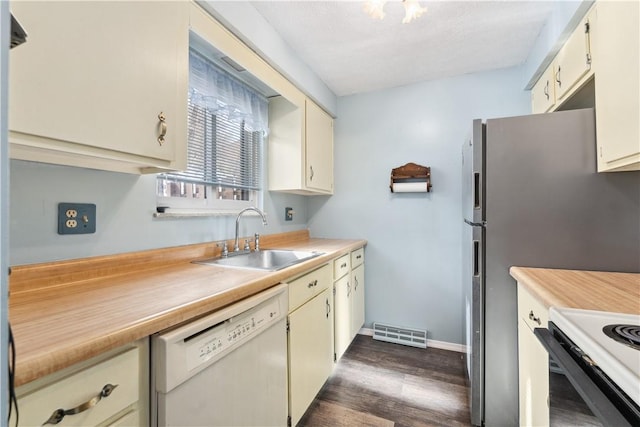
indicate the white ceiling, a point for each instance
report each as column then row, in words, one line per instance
column 353, row 53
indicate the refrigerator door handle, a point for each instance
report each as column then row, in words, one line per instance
column 476, row 258
column 476, row 224
column 476, row 190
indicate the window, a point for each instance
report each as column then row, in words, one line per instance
column 227, row 121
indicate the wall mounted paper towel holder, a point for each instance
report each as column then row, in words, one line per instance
column 410, row 178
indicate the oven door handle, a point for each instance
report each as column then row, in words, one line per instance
column 601, row 406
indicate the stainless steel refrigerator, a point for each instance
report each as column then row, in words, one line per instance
column 531, row 197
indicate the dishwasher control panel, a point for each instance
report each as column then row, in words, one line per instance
column 183, row 352
column 230, row 333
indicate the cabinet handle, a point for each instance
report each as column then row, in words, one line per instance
column 355, row 285
column 328, row 307
column 546, row 90
column 59, row 414
column 358, row 256
column 587, row 28
column 311, row 175
column 558, row 76
column 348, row 289
column 312, row 284
column 534, row 318
column 343, row 265
column 163, row 127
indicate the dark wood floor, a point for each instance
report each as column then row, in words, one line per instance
column 390, row 385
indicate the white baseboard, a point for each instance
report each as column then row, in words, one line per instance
column 460, row 348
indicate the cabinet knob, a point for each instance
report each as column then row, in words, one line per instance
column 534, row 318
column 163, row 127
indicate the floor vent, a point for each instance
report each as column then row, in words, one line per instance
column 404, row 336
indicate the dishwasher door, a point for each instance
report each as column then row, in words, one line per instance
column 226, row 369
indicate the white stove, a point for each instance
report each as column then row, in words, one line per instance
column 620, row 362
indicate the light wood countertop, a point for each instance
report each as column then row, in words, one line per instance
column 64, row 312
column 587, row 290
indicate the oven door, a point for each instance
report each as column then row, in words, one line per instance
column 576, row 372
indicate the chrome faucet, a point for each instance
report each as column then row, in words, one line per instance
column 236, row 246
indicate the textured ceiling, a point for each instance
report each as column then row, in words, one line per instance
column 353, row 53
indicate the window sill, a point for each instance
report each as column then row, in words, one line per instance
column 200, row 214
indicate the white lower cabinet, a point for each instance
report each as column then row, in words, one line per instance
column 310, row 340
column 357, row 300
column 342, row 315
column 348, row 295
column 533, row 362
column 107, row 390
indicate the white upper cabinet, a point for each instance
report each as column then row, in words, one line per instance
column 300, row 147
column 573, row 61
column 599, row 66
column 319, row 149
column 617, row 85
column 568, row 72
column 90, row 84
column 543, row 94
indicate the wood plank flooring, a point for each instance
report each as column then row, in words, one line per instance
column 381, row 384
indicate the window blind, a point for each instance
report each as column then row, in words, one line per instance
column 226, row 126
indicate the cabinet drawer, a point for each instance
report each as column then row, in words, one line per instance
column 341, row 266
column 306, row 287
column 357, row 257
column 531, row 310
column 74, row 390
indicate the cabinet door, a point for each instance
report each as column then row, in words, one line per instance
column 573, row 60
column 543, row 96
column 342, row 315
column 357, row 300
column 533, row 361
column 310, row 352
column 95, row 76
column 533, row 366
column 617, row 46
column 319, row 149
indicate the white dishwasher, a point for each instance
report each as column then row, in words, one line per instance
column 227, row 369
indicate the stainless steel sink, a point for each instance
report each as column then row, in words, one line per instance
column 266, row 259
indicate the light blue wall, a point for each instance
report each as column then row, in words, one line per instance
column 413, row 258
column 125, row 205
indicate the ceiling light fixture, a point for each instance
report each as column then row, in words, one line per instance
column 412, row 8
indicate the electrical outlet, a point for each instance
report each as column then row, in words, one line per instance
column 288, row 214
column 76, row 218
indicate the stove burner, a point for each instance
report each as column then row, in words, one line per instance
column 626, row 334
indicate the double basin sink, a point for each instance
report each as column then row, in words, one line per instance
column 266, row 259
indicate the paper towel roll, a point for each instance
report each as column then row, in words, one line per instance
column 409, row 187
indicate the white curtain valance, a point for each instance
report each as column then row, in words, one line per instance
column 220, row 93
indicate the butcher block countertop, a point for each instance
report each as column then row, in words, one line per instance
column 65, row 312
column 587, row 290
